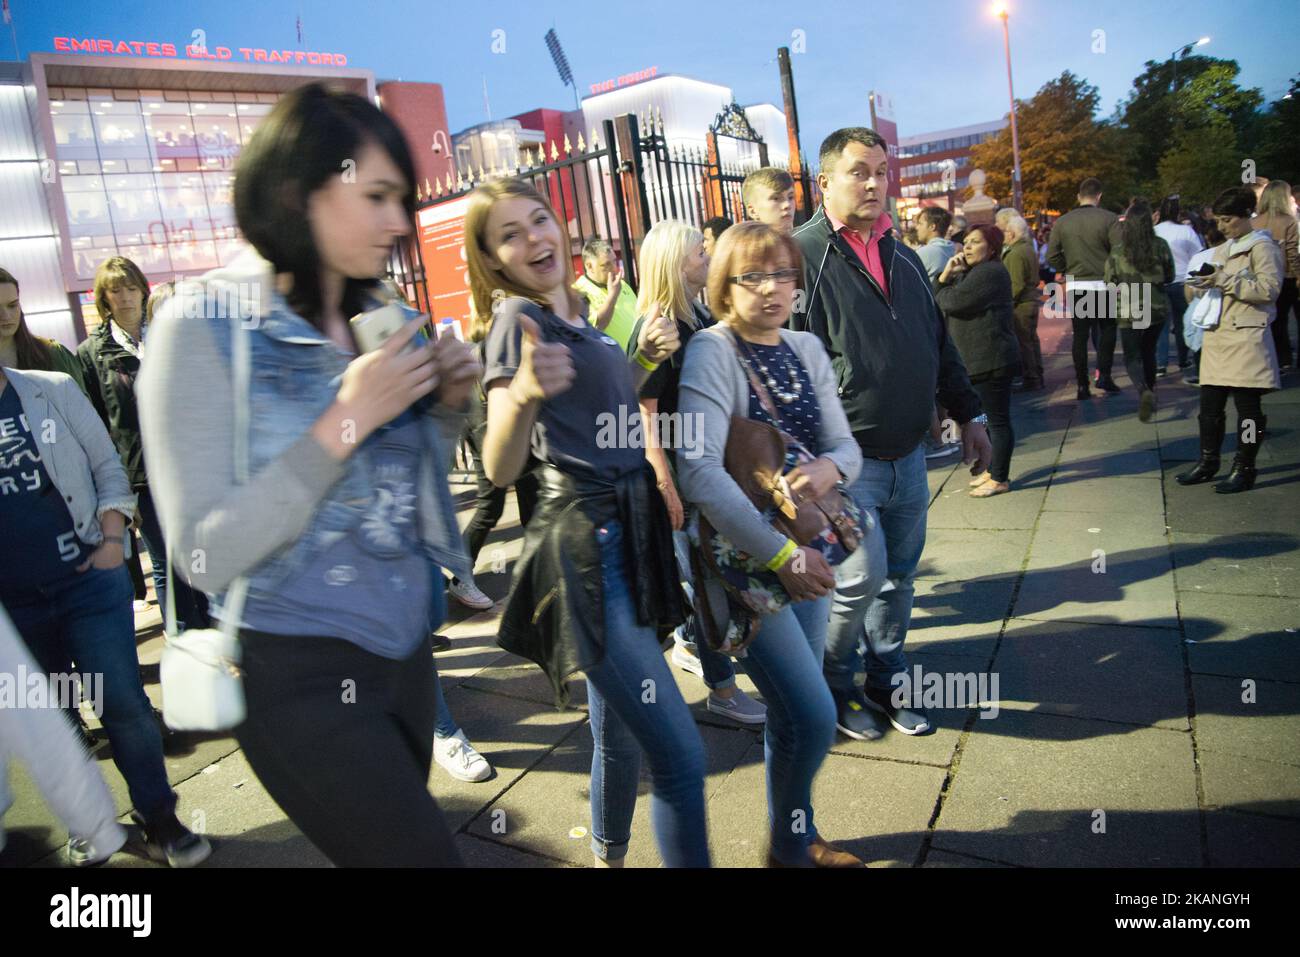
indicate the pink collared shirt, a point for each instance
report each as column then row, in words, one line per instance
column 867, row 250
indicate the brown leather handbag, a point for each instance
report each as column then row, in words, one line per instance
column 755, row 459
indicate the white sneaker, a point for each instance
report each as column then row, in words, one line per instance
column 686, row 661
column 468, row 594
column 457, row 757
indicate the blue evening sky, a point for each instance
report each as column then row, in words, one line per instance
column 941, row 60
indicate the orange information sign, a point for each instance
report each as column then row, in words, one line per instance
column 446, row 276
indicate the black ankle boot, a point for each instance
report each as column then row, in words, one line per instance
column 1211, row 441
column 1242, row 476
column 1240, row 479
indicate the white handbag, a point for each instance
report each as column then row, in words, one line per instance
column 202, row 686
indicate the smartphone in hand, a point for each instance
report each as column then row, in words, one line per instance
column 372, row 328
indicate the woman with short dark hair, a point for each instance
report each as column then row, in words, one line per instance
column 1238, row 358
column 330, row 505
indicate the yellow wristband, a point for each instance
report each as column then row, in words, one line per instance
column 780, row 557
column 645, row 363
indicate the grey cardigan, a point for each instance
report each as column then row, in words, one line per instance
column 75, row 449
column 715, row 387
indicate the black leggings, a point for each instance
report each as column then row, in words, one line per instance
column 995, row 397
column 490, row 501
column 342, row 740
column 1140, row 353
column 1214, row 403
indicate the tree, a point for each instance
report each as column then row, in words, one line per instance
column 1279, row 134
column 1200, row 164
column 1061, row 144
column 1194, row 93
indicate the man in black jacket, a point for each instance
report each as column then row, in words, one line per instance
column 867, row 297
column 1080, row 243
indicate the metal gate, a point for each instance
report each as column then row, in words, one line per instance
column 614, row 186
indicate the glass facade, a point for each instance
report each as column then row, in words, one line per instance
column 148, row 174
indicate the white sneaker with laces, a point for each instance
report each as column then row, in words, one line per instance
column 468, row 594
column 457, row 757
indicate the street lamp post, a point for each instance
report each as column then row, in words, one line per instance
column 1181, row 52
column 1017, row 198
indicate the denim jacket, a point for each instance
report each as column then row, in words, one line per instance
column 298, row 500
column 75, row 449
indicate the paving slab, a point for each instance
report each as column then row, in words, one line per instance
column 971, row 555
column 958, row 618
column 954, row 507
column 1263, row 563
column 1266, row 725
column 877, row 810
column 1248, row 840
column 938, row 858
column 1242, row 636
column 1108, row 672
column 1268, row 507
column 1106, row 495
column 1231, row 780
column 543, row 810
column 1027, row 794
column 1092, row 567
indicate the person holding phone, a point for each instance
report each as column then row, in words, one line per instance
column 346, row 521
column 596, row 587
column 1238, row 355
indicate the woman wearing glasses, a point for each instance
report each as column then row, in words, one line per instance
column 751, row 288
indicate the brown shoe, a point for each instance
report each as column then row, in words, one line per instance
column 826, row 854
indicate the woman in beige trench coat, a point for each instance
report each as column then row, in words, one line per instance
column 1238, row 357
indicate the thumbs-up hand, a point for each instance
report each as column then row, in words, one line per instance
column 545, row 368
column 659, row 337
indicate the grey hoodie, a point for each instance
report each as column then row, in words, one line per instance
column 935, row 255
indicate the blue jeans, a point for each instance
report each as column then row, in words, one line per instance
column 1177, row 308
column 88, row 620
column 635, row 706
column 718, row 670
column 785, row 663
column 874, row 585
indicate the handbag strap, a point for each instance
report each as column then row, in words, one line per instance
column 241, row 375
column 764, row 397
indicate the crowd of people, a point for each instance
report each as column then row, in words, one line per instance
column 291, row 486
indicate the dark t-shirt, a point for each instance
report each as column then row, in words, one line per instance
column 40, row 541
column 664, row 381
column 592, row 429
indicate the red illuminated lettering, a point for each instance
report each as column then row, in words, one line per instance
column 223, row 53
column 259, row 56
column 105, row 46
column 247, row 51
column 61, row 43
column 310, row 57
column 168, row 49
column 137, row 45
column 341, row 59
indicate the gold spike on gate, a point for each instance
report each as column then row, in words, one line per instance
column 449, row 183
column 568, row 147
column 595, row 140
column 582, row 147
column 555, row 153
column 419, row 197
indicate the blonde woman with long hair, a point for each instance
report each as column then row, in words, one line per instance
column 674, row 268
column 1277, row 217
